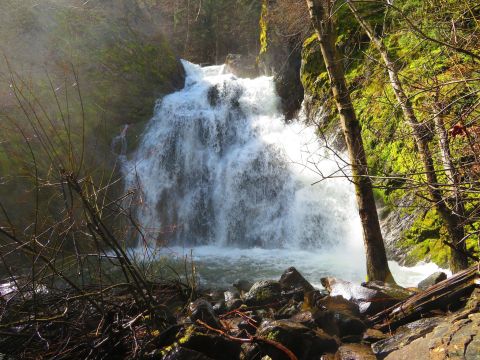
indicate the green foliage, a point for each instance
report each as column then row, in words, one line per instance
column 388, row 141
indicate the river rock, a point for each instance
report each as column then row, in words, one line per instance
column 404, row 336
column 455, row 337
column 393, row 291
column 369, row 301
column 211, row 345
column 305, row 343
column 202, row 310
column 263, row 293
column 433, row 279
column 373, row 335
column 231, row 294
column 180, row 353
column 233, row 304
column 291, row 279
column 339, row 317
column 220, row 307
column 242, row 285
column 355, row 352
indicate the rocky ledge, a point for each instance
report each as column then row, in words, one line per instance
column 289, row 319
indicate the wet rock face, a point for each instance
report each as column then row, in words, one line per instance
column 339, row 317
column 291, row 279
column 242, row 285
column 404, row 336
column 263, row 293
column 369, row 300
column 305, row 343
column 433, row 279
column 202, row 310
column 211, row 345
column 355, row 352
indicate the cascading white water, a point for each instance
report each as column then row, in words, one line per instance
column 219, row 163
column 218, row 168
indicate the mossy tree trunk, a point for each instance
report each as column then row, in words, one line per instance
column 377, row 264
column 451, row 219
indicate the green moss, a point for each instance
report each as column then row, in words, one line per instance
column 390, row 148
column 264, row 28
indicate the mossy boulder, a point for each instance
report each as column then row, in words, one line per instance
column 263, row 293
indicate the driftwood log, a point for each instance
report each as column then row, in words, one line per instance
column 444, row 295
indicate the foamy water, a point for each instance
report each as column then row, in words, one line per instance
column 220, row 173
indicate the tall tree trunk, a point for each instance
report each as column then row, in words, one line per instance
column 452, row 221
column 377, row 265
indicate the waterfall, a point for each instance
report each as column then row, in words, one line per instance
column 218, row 165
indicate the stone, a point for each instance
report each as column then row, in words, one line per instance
column 433, row 279
column 180, row 353
column 455, row 337
column 339, row 317
column 263, row 293
column 233, row 304
column 373, row 335
column 202, row 310
column 220, row 307
column 305, row 343
column 355, row 352
column 231, row 295
column 291, row 279
column 242, row 285
column 393, row 291
column 369, row 301
column 211, row 345
column 404, row 336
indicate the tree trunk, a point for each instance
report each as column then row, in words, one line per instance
column 377, row 265
column 459, row 260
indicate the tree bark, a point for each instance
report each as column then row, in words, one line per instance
column 377, row 264
column 452, row 221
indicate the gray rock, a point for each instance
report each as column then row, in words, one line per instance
column 231, row 294
column 202, row 310
column 234, row 304
column 404, row 336
column 305, row 343
column 339, row 317
column 263, row 293
column 291, row 279
column 242, row 285
column 433, row 279
column 355, row 352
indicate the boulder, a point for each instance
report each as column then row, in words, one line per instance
column 355, row 352
column 263, row 293
column 202, row 310
column 291, row 279
column 233, row 304
column 404, row 336
column 339, row 317
column 456, row 337
column 373, row 335
column 433, row 279
column 369, row 301
column 231, row 294
column 390, row 290
column 180, row 353
column 211, row 345
column 305, row 343
column 242, row 285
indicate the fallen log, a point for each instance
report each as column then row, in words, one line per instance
column 441, row 296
